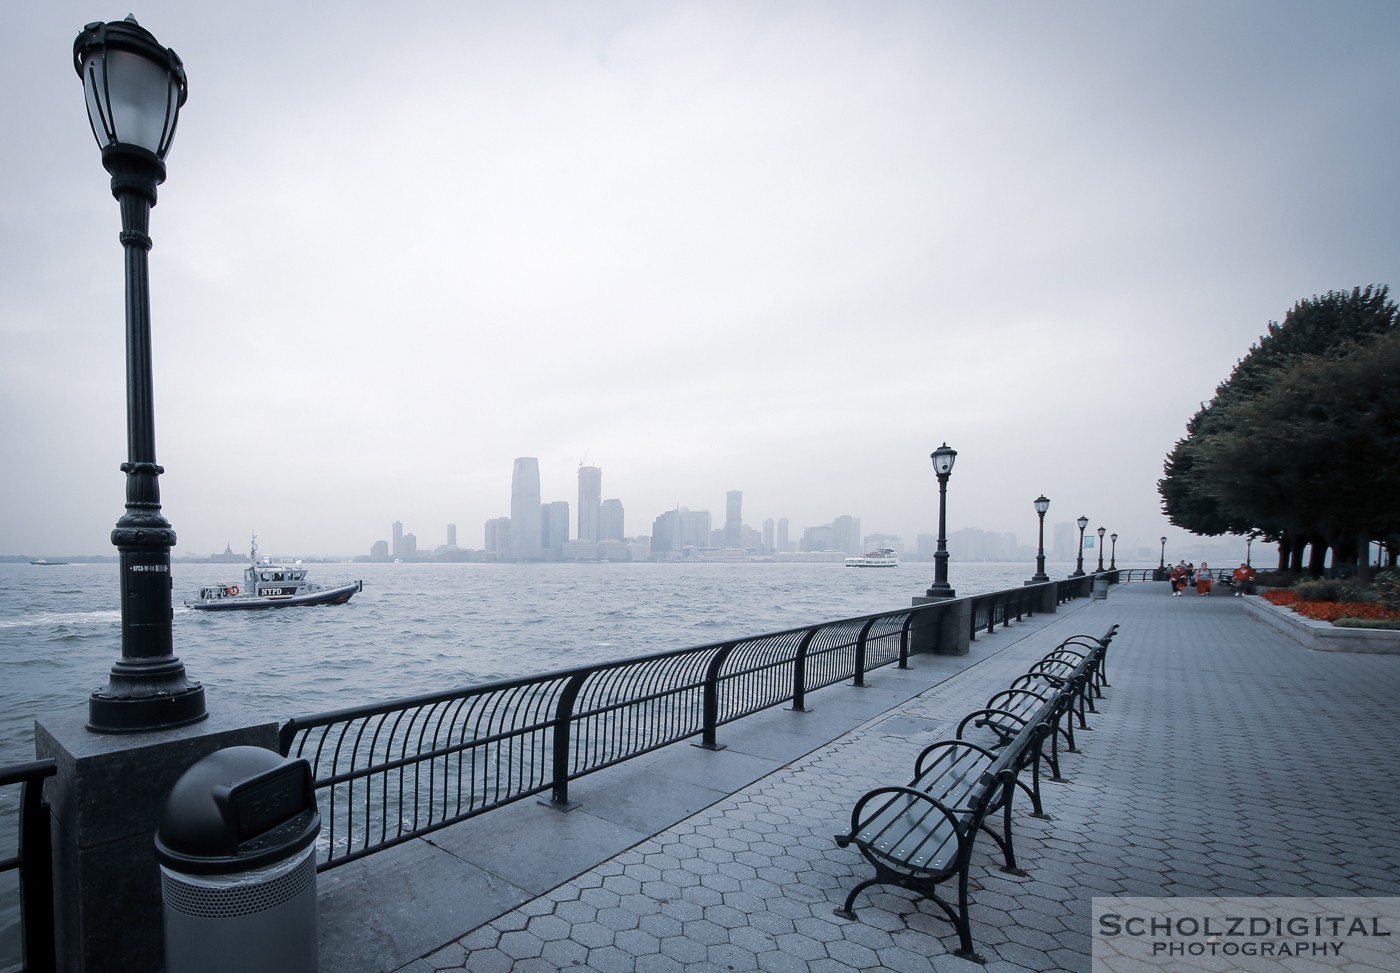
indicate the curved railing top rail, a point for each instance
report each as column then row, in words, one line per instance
column 515, row 682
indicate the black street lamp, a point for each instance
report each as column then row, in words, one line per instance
column 1163, row 563
column 1079, row 561
column 1042, row 504
column 134, row 90
column 1102, row 531
column 1113, row 553
column 1249, row 550
column 943, row 458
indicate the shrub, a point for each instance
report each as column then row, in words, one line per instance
column 1386, row 585
column 1390, row 624
column 1330, row 589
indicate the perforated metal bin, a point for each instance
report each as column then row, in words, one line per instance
column 236, row 847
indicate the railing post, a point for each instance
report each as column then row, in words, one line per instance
column 860, row 653
column 36, row 875
column 799, row 671
column 904, row 641
column 709, row 740
column 563, row 740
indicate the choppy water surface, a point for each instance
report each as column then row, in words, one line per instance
column 420, row 627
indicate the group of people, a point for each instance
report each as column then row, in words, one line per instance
column 1185, row 576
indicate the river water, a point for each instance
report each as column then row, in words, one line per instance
column 422, row 627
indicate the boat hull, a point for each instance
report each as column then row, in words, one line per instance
column 327, row 596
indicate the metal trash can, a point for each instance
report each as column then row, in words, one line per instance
column 1100, row 589
column 237, row 853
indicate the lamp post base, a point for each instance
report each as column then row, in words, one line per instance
column 941, row 590
column 141, row 697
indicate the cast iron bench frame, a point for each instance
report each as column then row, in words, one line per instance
column 921, row 834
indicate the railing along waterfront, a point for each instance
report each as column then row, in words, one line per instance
column 391, row 772
column 33, row 861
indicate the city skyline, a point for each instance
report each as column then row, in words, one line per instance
column 681, row 529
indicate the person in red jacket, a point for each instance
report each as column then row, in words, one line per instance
column 1178, row 578
column 1244, row 580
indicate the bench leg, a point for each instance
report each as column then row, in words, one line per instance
column 1034, row 790
column 957, row 916
column 846, row 912
column 1006, row 841
column 963, row 922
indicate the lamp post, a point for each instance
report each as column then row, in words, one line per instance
column 1249, row 550
column 134, row 90
column 1113, row 553
column 1102, row 531
column 1162, row 564
column 1042, row 504
column 1079, row 561
column 943, row 458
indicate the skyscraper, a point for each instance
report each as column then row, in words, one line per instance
column 525, row 510
column 554, row 527
column 733, row 519
column 610, row 521
column 590, row 501
column 398, row 538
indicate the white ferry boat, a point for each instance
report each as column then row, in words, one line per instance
column 883, row 558
column 270, row 585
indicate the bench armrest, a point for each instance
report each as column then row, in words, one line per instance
column 921, row 765
column 951, row 815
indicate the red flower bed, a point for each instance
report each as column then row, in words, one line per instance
column 1330, row 611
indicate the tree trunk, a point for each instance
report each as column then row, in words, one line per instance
column 1318, row 559
column 1363, row 559
column 1295, row 555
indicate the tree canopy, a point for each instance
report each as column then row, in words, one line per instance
column 1303, row 438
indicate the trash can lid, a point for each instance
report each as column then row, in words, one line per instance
column 236, row 810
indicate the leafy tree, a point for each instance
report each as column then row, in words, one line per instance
column 1221, row 478
column 1320, row 449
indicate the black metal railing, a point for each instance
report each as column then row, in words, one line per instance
column 33, row 861
column 1139, row 574
column 391, row 772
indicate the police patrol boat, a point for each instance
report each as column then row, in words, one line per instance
column 270, row 585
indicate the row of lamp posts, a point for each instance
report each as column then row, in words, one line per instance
column 943, row 458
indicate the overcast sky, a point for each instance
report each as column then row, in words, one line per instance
column 787, row 248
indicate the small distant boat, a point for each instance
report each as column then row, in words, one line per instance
column 882, row 558
column 48, row 564
column 270, row 585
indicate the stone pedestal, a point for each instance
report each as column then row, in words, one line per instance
column 942, row 633
column 105, row 804
column 1049, row 599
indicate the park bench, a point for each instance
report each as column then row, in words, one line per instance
column 922, row 833
column 1045, row 695
column 1007, row 714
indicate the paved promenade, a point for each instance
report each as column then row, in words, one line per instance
column 1226, row 759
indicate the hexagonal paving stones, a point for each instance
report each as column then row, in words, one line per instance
column 1225, row 759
